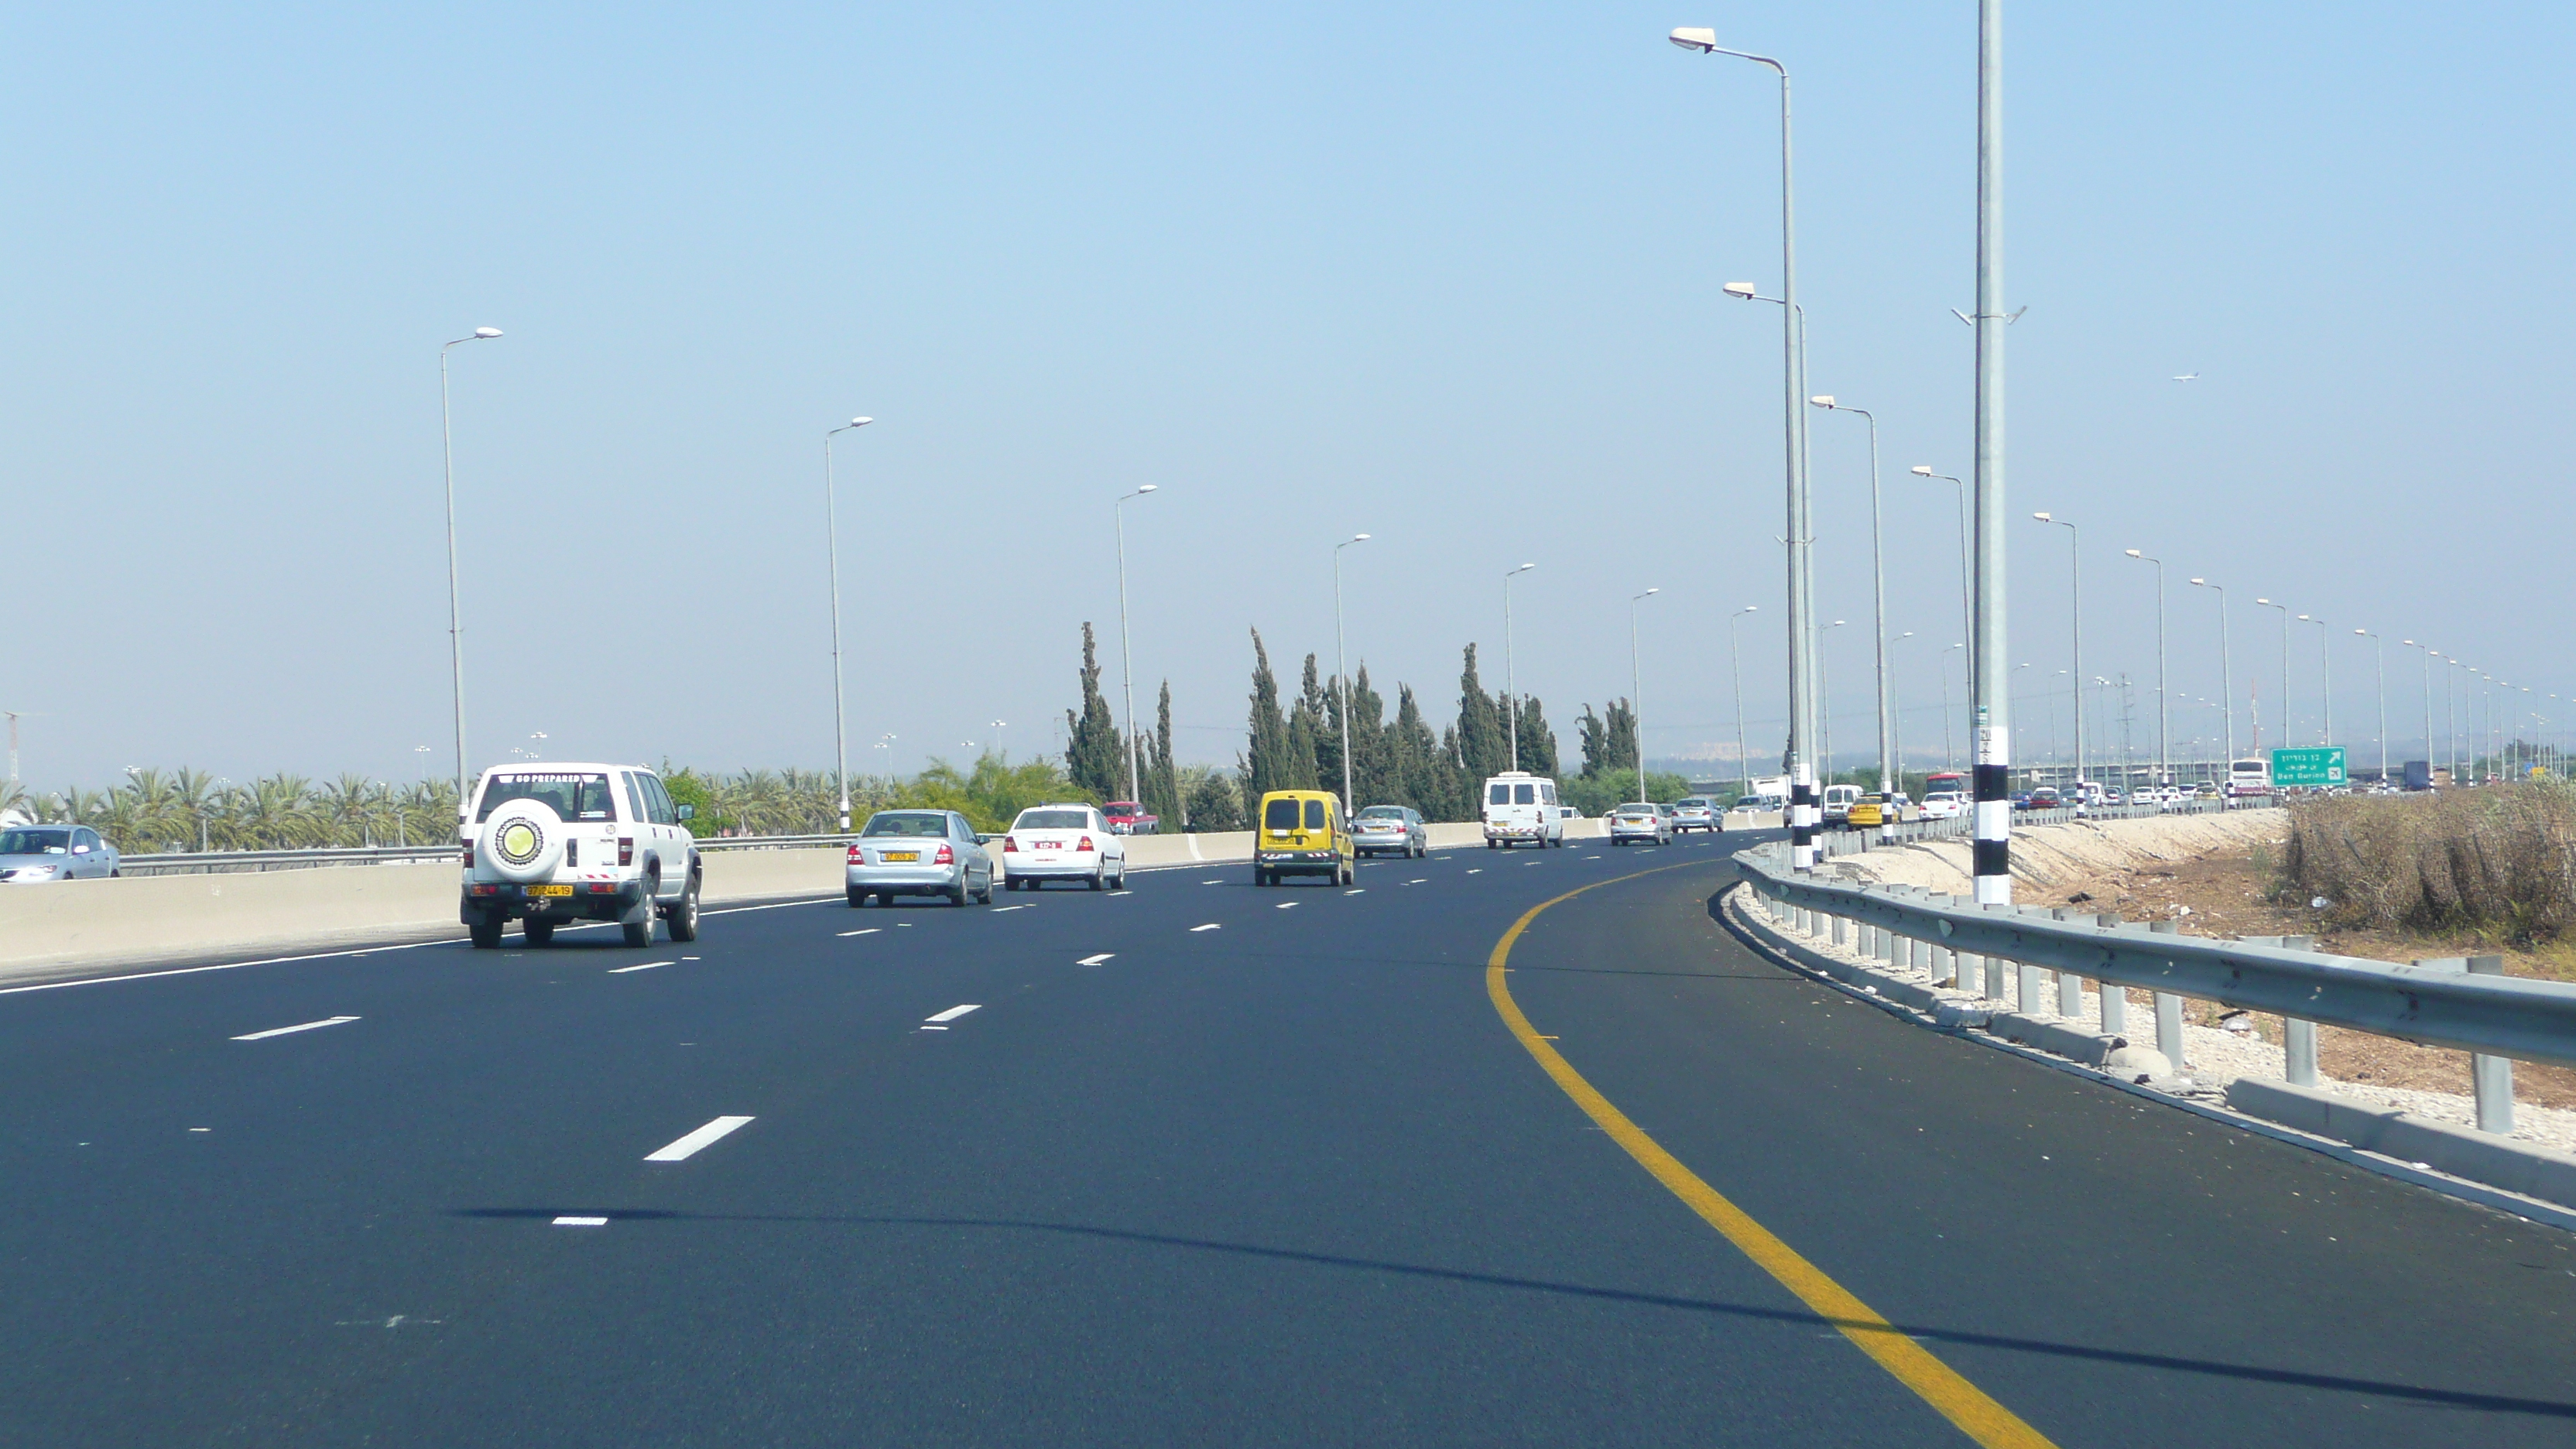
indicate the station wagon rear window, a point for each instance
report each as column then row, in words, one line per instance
column 570, row 796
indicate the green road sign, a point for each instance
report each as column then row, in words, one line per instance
column 2292, row 768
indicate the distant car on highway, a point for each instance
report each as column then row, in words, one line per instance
column 2207, row 791
column 576, row 842
column 1632, row 823
column 2046, row 797
column 1869, row 812
column 918, row 853
column 1126, row 817
column 1695, row 812
column 1301, row 832
column 1390, row 829
column 33, row 854
column 1945, row 796
column 1063, row 842
column 1838, row 802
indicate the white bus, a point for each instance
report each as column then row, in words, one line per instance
column 2249, row 777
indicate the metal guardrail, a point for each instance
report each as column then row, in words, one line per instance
column 206, row 862
column 2491, row 1015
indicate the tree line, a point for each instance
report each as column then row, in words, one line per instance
column 1297, row 743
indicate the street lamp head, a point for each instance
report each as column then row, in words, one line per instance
column 861, row 422
column 1740, row 291
column 2204, row 583
column 1147, row 487
column 1694, row 37
column 1922, row 470
column 1524, row 568
column 1823, row 400
column 1359, row 538
column 2363, row 632
column 2044, row 518
column 2133, row 553
column 2261, row 600
column 487, row 332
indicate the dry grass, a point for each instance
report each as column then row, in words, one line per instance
column 2498, row 861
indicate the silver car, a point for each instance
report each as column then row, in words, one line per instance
column 1698, row 812
column 919, row 853
column 1652, row 824
column 1390, row 829
column 33, row 853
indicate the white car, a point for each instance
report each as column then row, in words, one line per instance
column 546, row 844
column 1944, row 805
column 1063, row 842
column 1522, row 809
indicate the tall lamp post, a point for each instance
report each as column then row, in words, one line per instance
column 1126, row 659
column 1967, row 612
column 1341, row 668
column 1511, row 685
column 2075, row 565
column 2285, row 676
column 1735, row 666
column 832, row 548
column 1637, row 686
column 2164, row 714
column 1804, row 813
column 2379, row 650
column 2325, row 675
column 1824, row 714
column 1878, row 594
column 455, row 624
column 2226, row 676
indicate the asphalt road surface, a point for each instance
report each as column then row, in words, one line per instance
column 1198, row 1164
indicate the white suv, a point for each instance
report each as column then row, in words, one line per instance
column 546, row 844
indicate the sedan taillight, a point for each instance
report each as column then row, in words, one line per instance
column 1086, row 844
column 946, row 856
column 855, row 857
column 1010, row 845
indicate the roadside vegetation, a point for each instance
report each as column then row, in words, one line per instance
column 2499, row 861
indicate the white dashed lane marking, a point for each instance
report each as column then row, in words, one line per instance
column 299, row 1026
column 1095, row 960
column 954, row 1012
column 578, row 1222
column 998, row 910
column 1285, row 906
column 1360, row 891
column 870, row 931
column 698, row 1141
column 645, row 966
column 1210, row 926
column 1424, row 881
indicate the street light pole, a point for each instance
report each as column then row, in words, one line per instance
column 1126, row 658
column 455, row 623
column 2075, row 564
column 2325, row 674
column 2285, row 675
column 2226, row 674
column 1992, row 705
column 1878, row 591
column 1735, row 666
column 1341, row 669
column 2379, row 648
column 1637, row 686
column 1804, row 811
column 1967, row 613
column 2164, row 714
column 1511, row 685
column 832, row 547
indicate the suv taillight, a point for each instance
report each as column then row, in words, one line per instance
column 572, row 854
column 469, row 855
column 946, row 856
column 626, row 850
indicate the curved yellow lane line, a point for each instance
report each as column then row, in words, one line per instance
column 1961, row 1402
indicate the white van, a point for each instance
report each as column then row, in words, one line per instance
column 1521, row 809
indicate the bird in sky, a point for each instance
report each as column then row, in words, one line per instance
column 2188, row 377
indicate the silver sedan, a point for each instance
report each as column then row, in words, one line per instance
column 919, row 853
column 1650, row 823
column 1381, row 829
column 30, row 854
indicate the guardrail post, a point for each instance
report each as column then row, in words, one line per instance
column 2169, row 1036
column 2070, row 987
column 1841, row 929
column 2491, row 1077
column 2115, row 999
column 2298, row 1038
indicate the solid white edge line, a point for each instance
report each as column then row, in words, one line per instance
column 952, row 1013
column 299, row 1026
column 687, row 1147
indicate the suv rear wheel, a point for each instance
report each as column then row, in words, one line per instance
column 684, row 916
column 486, row 932
column 639, row 921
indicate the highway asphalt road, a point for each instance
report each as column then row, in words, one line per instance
column 1289, row 1180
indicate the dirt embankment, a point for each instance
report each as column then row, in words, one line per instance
column 2221, row 875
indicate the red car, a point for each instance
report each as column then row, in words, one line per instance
column 1126, row 817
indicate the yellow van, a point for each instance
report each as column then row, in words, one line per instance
column 1301, row 832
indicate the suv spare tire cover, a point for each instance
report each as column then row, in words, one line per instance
column 523, row 841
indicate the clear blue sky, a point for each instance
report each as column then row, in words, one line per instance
column 1443, row 273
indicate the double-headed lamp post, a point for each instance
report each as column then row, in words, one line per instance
column 2325, row 676
column 1735, row 666
column 1341, row 668
column 2226, row 676
column 2164, row 715
column 1637, row 686
column 1804, row 811
column 2285, row 675
column 1878, row 594
column 832, row 549
column 455, row 623
column 1967, row 612
column 1511, row 686
column 2075, row 563
column 1126, row 659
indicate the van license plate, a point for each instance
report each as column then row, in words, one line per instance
column 550, row 890
column 902, row 855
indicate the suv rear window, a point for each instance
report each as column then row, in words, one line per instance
column 570, row 796
column 1053, row 820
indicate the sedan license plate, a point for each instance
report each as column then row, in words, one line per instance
column 901, row 855
column 1050, row 845
column 550, row 890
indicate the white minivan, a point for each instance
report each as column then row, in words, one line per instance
column 1521, row 809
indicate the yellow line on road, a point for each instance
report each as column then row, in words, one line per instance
column 1961, row 1402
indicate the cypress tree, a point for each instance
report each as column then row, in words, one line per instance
column 1095, row 757
column 1162, row 793
column 1266, row 764
column 1596, row 744
column 1538, row 742
column 1481, row 747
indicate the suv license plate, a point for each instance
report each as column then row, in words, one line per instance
column 550, row 890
